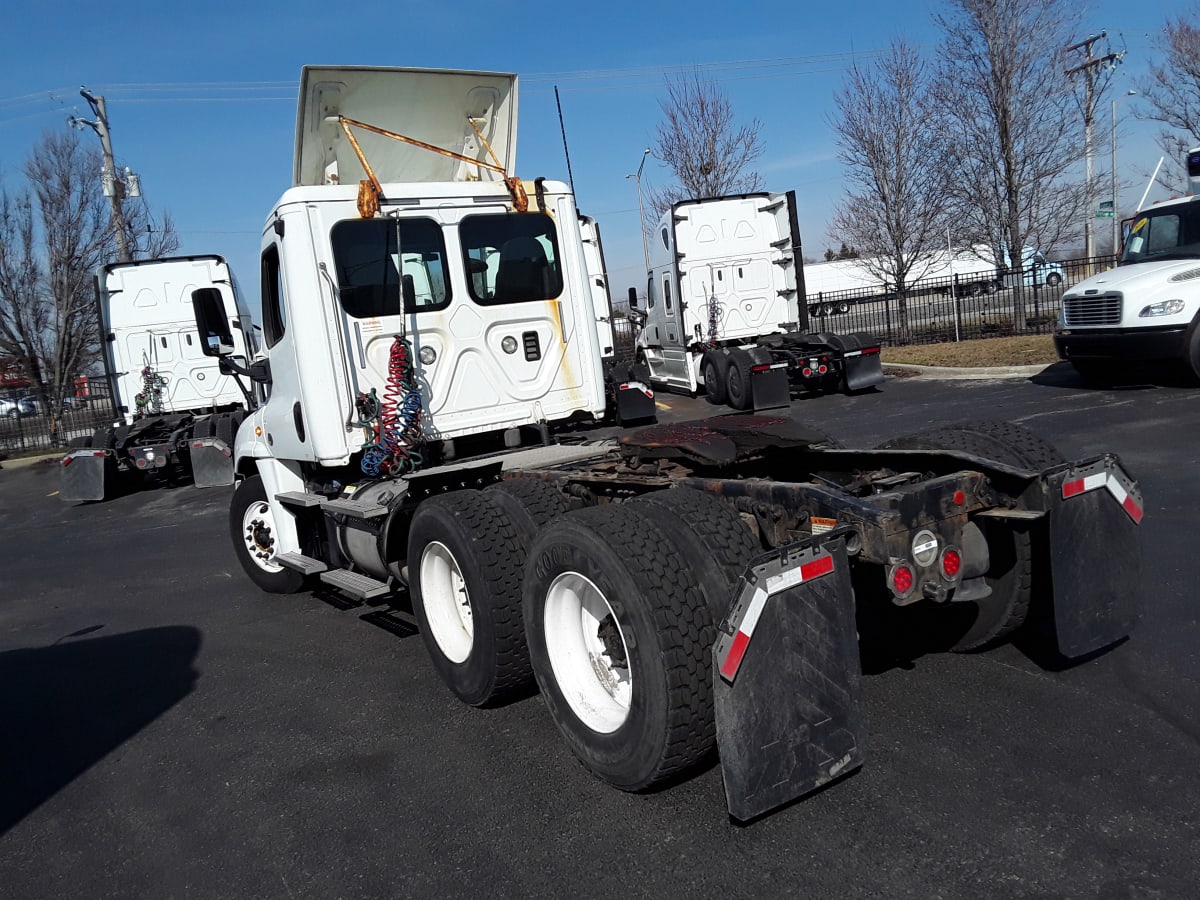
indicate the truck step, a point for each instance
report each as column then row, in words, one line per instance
column 359, row 586
column 354, row 509
column 298, row 562
column 300, row 498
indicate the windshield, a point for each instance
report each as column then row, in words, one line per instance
column 1170, row 233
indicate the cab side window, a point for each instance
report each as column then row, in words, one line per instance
column 273, row 312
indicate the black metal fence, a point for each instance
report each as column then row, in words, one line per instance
column 940, row 310
column 25, row 426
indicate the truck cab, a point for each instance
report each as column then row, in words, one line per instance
column 1147, row 307
column 492, row 300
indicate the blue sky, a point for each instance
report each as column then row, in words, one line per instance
column 201, row 97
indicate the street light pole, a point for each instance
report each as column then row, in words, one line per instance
column 642, row 208
column 1116, row 223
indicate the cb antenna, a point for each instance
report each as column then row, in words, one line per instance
column 566, row 151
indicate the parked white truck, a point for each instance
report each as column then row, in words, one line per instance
column 175, row 409
column 682, row 589
column 725, row 309
column 1147, row 308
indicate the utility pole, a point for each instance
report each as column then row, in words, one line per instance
column 114, row 187
column 1089, row 67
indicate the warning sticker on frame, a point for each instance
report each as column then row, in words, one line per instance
column 820, row 525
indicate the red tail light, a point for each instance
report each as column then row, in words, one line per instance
column 951, row 563
column 902, row 580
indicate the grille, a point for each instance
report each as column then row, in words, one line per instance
column 1104, row 309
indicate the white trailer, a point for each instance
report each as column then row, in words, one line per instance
column 725, row 310
column 663, row 591
column 836, row 285
column 1147, row 308
column 175, row 409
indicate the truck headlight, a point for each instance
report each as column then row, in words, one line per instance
column 1165, row 308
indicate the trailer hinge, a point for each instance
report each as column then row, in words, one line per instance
column 785, row 292
column 771, row 207
column 784, row 261
column 782, row 242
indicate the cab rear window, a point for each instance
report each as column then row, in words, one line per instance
column 511, row 257
column 372, row 273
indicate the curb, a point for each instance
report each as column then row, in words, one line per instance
column 23, row 461
column 950, row 373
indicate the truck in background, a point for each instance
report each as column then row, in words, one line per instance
column 834, row 286
column 1146, row 308
column 663, row 590
column 725, row 310
column 175, row 409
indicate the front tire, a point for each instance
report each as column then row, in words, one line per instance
column 621, row 638
column 254, row 533
column 465, row 557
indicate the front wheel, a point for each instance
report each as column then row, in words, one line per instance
column 253, row 530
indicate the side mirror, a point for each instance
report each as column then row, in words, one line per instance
column 212, row 322
column 633, row 303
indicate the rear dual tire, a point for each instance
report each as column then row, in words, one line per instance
column 620, row 636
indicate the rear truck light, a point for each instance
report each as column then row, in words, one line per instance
column 745, row 622
column 823, row 369
column 901, row 579
column 1110, row 480
column 806, row 371
column 767, row 367
column 951, row 563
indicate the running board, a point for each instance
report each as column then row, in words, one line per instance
column 357, row 585
column 300, row 499
column 298, row 562
column 354, row 509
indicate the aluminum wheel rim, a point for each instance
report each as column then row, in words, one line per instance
column 258, row 533
column 446, row 601
column 598, row 691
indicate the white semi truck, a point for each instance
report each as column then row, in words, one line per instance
column 1147, row 308
column 725, row 310
column 175, row 409
column 684, row 588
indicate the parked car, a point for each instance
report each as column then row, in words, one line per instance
column 19, row 406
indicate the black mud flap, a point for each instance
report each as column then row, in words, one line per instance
column 787, row 678
column 1095, row 554
column 212, row 462
column 769, row 386
column 635, row 403
column 863, row 368
column 83, row 474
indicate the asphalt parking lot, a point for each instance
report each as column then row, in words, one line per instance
column 167, row 730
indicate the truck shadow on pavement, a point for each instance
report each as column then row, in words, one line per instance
column 1131, row 377
column 65, row 706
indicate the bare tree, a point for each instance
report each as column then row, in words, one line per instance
column 1170, row 95
column 54, row 233
column 895, row 209
column 1007, row 110
column 700, row 140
